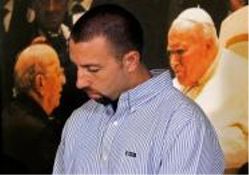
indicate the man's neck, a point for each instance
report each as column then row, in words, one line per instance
column 139, row 77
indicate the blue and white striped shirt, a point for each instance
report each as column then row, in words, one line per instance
column 155, row 129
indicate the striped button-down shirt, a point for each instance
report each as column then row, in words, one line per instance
column 155, row 129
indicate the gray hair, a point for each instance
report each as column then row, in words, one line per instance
column 31, row 62
column 198, row 16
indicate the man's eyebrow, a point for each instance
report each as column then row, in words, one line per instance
column 176, row 50
column 89, row 65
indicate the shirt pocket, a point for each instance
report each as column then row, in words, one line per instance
column 132, row 160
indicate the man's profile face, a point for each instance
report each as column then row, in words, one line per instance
column 188, row 52
column 99, row 73
column 53, row 84
column 50, row 13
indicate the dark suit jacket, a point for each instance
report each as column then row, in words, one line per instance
column 71, row 97
column 29, row 136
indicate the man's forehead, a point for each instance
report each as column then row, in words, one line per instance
column 182, row 25
column 186, row 30
column 72, row 44
column 94, row 39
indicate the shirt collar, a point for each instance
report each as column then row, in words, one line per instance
column 63, row 30
column 142, row 93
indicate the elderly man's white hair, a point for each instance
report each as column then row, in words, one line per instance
column 197, row 16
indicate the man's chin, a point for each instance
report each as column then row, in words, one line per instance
column 94, row 96
column 182, row 81
column 186, row 83
column 99, row 98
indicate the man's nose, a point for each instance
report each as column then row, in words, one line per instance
column 83, row 80
column 82, row 83
column 174, row 60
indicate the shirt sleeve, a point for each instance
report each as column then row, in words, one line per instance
column 192, row 146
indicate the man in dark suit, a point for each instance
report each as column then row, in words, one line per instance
column 30, row 134
column 48, row 24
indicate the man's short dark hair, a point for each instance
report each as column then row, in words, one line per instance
column 113, row 22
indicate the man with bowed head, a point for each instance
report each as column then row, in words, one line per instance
column 29, row 132
column 193, row 47
column 134, row 122
column 207, row 74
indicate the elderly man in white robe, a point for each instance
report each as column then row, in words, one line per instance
column 214, row 77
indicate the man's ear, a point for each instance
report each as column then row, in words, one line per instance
column 211, row 47
column 39, row 84
column 131, row 60
column 210, row 44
